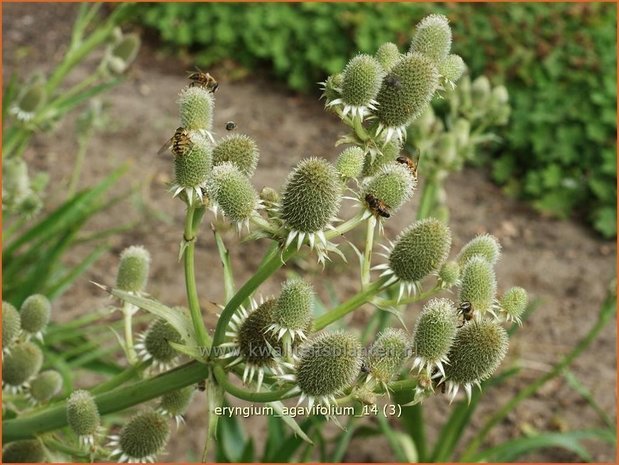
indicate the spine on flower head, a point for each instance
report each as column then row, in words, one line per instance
column 478, row 285
column 35, row 313
column 432, row 38
column 133, row 269
column 239, row 149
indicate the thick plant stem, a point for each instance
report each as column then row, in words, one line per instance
column 367, row 255
column 349, row 306
column 267, row 396
column 132, row 357
column 189, row 238
column 426, row 203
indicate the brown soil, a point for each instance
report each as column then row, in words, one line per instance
column 558, row 262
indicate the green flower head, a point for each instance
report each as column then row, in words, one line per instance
column 514, row 303
column 485, row 246
column 196, row 106
column 133, row 269
column 45, row 386
column 20, row 365
column 350, row 162
column 83, row 416
column 239, row 149
column 142, row 438
column 361, row 82
column 388, row 55
column 11, row 325
column 393, row 185
column 387, row 355
column 26, row 451
column 478, row 285
column 432, row 38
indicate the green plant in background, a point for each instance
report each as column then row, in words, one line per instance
column 558, row 61
column 34, row 242
column 275, row 348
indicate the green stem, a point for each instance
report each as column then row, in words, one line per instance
column 132, row 357
column 120, row 378
column 367, row 255
column 350, row 305
column 606, row 312
column 224, row 256
column 108, row 402
column 250, row 396
column 360, row 131
column 189, row 236
column 408, row 300
column 426, row 203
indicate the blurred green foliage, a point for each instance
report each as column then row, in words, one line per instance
column 557, row 60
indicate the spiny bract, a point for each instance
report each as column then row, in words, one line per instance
column 233, row 192
column 484, row 245
column 388, row 55
column 238, row 149
column 328, row 364
column 406, row 90
column 393, row 185
column 196, row 106
column 387, row 355
column 35, row 313
column 478, row 285
column 432, row 38
column 420, row 250
column 21, row 364
column 11, row 325
column 311, row 196
column 133, row 269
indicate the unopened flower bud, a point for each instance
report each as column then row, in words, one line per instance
column 35, row 313
column 123, row 53
column 449, row 274
column 514, row 303
column 11, row 324
column 196, row 106
column 452, row 68
column 387, row 355
column 485, row 246
column 269, row 195
column 45, row 386
column 133, row 269
column 83, row 416
column 388, row 55
column 478, row 285
column 21, row 365
column 480, row 92
column 432, row 38
column 233, row 192
column 239, row 149
column 350, row 162
column 333, row 87
column 26, row 451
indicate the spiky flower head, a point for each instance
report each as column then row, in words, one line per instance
column 478, row 285
column 452, row 68
column 478, row 349
column 350, row 162
column 11, row 325
column 293, row 312
column 388, row 55
column 83, row 416
column 449, row 274
column 433, row 335
column 191, row 169
column 393, row 185
column 45, row 386
column 142, row 438
column 196, row 106
column 432, row 38
column 485, row 246
column 121, row 54
column 310, row 201
column 514, row 303
column 232, row 191
column 20, row 365
column 419, row 250
column 405, row 93
column 238, row 149
column 481, row 90
column 381, row 157
column 328, row 363
column 133, row 269
column 35, row 313
column 26, row 451
column 269, row 195
column 332, row 87
column 176, row 403
column 154, row 344
column 387, row 355
column 29, row 102
column 361, row 82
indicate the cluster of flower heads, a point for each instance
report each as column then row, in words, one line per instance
column 20, row 194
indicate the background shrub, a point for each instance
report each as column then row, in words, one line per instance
column 557, row 60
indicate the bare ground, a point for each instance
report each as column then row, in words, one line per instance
column 560, row 263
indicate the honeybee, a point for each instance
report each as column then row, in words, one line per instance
column 410, row 163
column 204, row 80
column 201, row 385
column 179, row 143
column 377, row 206
column 365, row 368
column 393, row 81
column 230, row 126
column 465, row 309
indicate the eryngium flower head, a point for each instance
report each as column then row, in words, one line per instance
column 485, row 246
column 154, row 344
column 21, row 365
column 121, row 54
column 449, row 274
column 432, row 38
column 381, row 157
column 393, row 185
column 133, row 269
column 332, row 87
column 83, row 416
column 175, row 403
column 481, row 90
column 387, row 355
column 478, row 349
column 388, row 55
column 30, row 101
column 11, row 325
column 478, row 285
column 142, row 438
column 196, row 106
column 232, row 191
column 452, row 68
column 361, row 81
column 239, row 149
column 328, row 363
column 45, row 386
column 35, row 313
column 310, row 199
column 350, row 162
column 433, row 335
column 418, row 251
column 405, row 93
column 191, row 169
column 514, row 303
column 27, row 451
column 294, row 308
